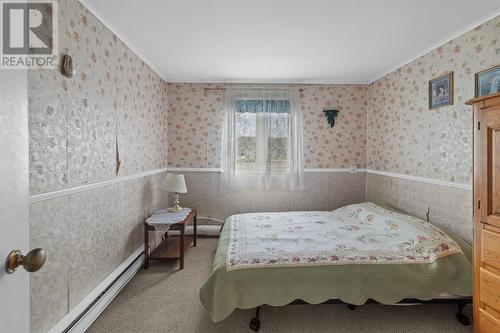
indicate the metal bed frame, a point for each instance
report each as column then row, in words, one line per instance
column 461, row 302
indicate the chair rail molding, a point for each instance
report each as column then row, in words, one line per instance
column 352, row 170
column 421, row 179
column 87, row 187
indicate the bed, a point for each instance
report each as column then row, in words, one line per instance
column 356, row 254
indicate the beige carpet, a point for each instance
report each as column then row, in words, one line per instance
column 163, row 299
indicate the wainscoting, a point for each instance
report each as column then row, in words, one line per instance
column 87, row 235
column 448, row 204
column 445, row 206
column 323, row 191
column 95, row 228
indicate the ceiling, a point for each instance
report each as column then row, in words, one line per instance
column 286, row 41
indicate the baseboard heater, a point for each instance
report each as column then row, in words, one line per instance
column 79, row 319
column 201, row 230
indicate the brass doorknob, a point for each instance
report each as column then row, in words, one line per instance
column 31, row 262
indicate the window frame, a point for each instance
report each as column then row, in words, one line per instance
column 261, row 160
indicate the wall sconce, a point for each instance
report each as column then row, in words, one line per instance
column 330, row 116
column 67, row 66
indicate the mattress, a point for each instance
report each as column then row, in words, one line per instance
column 353, row 254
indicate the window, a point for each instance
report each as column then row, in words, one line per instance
column 262, row 135
column 263, row 140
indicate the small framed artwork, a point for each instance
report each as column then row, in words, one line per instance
column 441, row 91
column 488, row 81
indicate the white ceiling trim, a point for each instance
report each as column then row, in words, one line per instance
column 267, row 82
column 438, row 44
column 122, row 37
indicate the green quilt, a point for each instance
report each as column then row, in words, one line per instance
column 226, row 290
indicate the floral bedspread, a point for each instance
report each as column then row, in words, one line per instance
column 356, row 234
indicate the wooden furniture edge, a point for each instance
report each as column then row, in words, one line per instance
column 482, row 98
column 192, row 214
column 162, row 251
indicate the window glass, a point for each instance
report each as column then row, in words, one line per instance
column 262, row 135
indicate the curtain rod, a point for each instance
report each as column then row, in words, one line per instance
column 224, row 89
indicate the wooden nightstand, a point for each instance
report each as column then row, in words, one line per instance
column 171, row 248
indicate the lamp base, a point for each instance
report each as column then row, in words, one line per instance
column 176, row 207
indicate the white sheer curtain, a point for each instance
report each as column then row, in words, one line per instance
column 262, row 142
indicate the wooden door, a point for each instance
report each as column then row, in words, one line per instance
column 487, row 215
column 491, row 171
column 14, row 174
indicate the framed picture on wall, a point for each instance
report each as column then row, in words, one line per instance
column 488, row 81
column 441, row 91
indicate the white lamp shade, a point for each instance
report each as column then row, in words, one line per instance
column 174, row 183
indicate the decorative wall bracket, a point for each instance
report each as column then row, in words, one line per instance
column 67, row 68
column 330, row 116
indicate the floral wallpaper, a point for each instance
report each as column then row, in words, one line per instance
column 196, row 116
column 195, row 124
column 75, row 124
column 142, row 114
column 116, row 100
column 404, row 136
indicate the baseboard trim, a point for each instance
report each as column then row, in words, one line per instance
column 79, row 319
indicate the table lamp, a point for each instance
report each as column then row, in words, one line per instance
column 174, row 183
